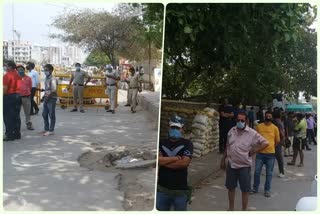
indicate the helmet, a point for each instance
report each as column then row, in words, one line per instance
column 176, row 120
column 109, row 67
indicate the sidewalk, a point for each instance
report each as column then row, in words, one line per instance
column 42, row 173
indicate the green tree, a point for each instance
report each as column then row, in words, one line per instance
column 236, row 50
column 97, row 58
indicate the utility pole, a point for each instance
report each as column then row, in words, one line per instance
column 13, row 48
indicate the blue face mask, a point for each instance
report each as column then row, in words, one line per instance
column 241, row 125
column 21, row 73
column 174, row 134
column 47, row 73
column 77, row 68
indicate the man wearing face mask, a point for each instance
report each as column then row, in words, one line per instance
column 134, row 82
column 25, row 92
column 33, row 74
column 266, row 156
column 50, row 99
column 111, row 81
column 242, row 143
column 77, row 78
column 11, row 102
column 175, row 156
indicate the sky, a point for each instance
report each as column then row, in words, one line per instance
column 33, row 20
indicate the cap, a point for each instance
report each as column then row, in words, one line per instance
column 176, row 121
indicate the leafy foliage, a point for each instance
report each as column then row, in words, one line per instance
column 236, row 50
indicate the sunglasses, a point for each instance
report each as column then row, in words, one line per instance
column 241, row 121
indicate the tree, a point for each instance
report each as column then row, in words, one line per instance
column 99, row 31
column 216, row 50
column 97, row 58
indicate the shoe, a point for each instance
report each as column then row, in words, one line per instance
column 267, row 194
column 126, row 105
column 281, row 175
column 286, row 155
column 17, row 136
column 8, row 139
column 113, row 111
column 82, row 111
column 300, row 165
column 29, row 126
column 73, row 110
column 291, row 164
column 308, row 149
column 133, row 112
column 109, row 110
column 47, row 133
column 253, row 192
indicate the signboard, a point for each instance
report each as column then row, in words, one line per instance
column 89, row 91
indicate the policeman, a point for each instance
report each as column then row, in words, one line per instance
column 78, row 88
column 111, row 81
column 175, row 156
column 134, row 83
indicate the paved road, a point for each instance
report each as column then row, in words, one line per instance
column 212, row 194
column 42, row 173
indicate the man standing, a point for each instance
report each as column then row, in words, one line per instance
column 77, row 78
column 50, row 99
column 278, row 152
column 298, row 139
column 266, row 156
column 112, row 77
column 310, row 129
column 11, row 102
column 25, row 92
column 134, row 83
column 225, row 124
column 35, row 81
column 243, row 142
column 175, row 156
column 289, row 132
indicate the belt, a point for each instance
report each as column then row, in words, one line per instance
column 78, row 84
column 133, row 87
column 26, row 96
column 111, row 84
column 177, row 193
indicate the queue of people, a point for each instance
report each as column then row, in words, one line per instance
column 18, row 88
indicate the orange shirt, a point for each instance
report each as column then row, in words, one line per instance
column 11, row 79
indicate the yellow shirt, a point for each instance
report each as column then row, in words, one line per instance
column 271, row 134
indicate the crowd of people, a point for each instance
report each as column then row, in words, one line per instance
column 20, row 84
column 276, row 135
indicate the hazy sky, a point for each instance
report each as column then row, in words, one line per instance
column 33, row 20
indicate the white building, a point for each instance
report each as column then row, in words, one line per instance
column 19, row 51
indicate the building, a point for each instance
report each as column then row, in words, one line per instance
column 5, row 50
column 19, row 51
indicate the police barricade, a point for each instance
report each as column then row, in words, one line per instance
column 93, row 95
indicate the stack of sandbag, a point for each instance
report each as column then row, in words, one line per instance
column 167, row 112
column 205, row 132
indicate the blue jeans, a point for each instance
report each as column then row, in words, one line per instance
column 49, row 110
column 11, row 114
column 112, row 96
column 165, row 201
column 268, row 160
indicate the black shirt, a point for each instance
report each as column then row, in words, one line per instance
column 174, row 178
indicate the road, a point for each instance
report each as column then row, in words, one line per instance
column 211, row 194
column 42, row 173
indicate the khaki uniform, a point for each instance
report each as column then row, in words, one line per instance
column 134, row 87
column 112, row 88
column 78, row 87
